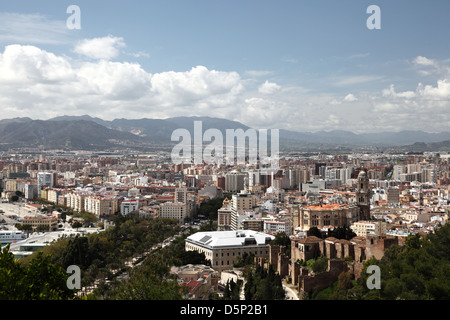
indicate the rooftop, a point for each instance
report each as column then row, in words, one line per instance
column 215, row 239
column 326, row 207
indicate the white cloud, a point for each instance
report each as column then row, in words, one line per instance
column 115, row 80
column 32, row 29
column 350, row 98
column 100, row 48
column 198, row 84
column 28, row 64
column 269, row 88
column 353, row 80
column 258, row 73
column 441, row 91
column 428, row 67
column 423, row 61
column 393, row 94
column 41, row 84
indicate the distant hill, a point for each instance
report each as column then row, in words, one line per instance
column 419, row 147
column 85, row 132
column 74, row 134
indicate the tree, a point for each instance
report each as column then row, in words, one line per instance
column 43, row 228
column 144, row 284
column 249, row 289
column 314, row 231
column 263, row 284
column 317, row 265
column 209, row 208
column 342, row 233
column 417, row 271
column 192, row 257
column 77, row 225
column 39, row 280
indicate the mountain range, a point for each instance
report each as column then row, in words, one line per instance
column 89, row 133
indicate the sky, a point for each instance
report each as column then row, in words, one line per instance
column 287, row 64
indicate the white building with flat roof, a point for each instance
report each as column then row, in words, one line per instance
column 221, row 248
column 129, row 205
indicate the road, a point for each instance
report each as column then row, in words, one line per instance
column 291, row 294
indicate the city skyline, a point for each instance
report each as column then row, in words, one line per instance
column 289, row 65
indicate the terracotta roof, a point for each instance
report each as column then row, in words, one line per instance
column 193, row 285
column 325, row 206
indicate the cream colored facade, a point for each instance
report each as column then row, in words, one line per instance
column 366, row 228
column 11, row 185
column 241, row 203
column 101, row 206
column 75, row 201
column 52, row 195
column 334, row 215
column 222, row 248
column 51, row 222
column 173, row 210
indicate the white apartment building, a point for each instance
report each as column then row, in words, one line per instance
column 75, row 201
column 100, row 206
column 52, row 195
column 128, row 206
column 277, row 226
column 367, row 228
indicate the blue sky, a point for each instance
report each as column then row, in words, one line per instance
column 299, row 65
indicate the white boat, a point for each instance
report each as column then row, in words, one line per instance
column 8, row 236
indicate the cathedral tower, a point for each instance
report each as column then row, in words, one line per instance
column 363, row 195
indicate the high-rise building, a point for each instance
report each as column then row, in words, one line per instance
column 181, row 195
column 234, row 181
column 44, row 179
column 220, row 182
column 240, row 203
column 292, row 175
